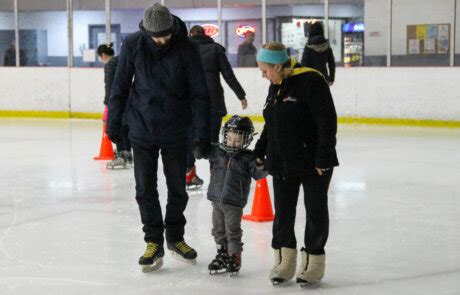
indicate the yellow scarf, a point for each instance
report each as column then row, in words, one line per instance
column 301, row 70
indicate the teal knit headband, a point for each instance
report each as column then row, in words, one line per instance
column 272, row 56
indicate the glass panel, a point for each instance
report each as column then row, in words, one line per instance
column 89, row 32
column 7, row 38
column 43, row 33
column 376, row 33
column 457, row 35
column 201, row 13
column 421, row 32
column 289, row 21
column 243, row 22
column 346, row 31
column 126, row 15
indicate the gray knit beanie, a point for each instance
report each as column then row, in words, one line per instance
column 157, row 21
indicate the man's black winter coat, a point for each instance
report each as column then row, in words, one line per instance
column 163, row 84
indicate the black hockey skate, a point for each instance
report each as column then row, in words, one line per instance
column 183, row 252
column 192, row 181
column 152, row 258
column 234, row 264
column 219, row 264
column 120, row 161
column 128, row 157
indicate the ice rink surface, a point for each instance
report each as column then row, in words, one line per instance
column 69, row 226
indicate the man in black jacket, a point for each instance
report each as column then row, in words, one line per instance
column 247, row 52
column 160, row 70
column 215, row 62
column 318, row 53
column 10, row 56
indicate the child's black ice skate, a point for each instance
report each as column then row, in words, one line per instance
column 183, row 252
column 152, row 258
column 219, row 264
column 234, row 264
column 192, row 181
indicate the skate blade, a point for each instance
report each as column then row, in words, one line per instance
column 194, row 187
column 156, row 265
column 217, row 272
column 234, row 274
column 110, row 167
column 182, row 259
column 276, row 282
column 304, row 284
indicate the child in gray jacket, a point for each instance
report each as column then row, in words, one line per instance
column 232, row 166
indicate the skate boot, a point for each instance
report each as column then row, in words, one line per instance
column 234, row 264
column 312, row 269
column 183, row 252
column 285, row 264
column 219, row 264
column 118, row 163
column 128, row 157
column 192, row 181
column 152, row 258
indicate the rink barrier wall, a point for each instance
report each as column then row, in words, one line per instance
column 389, row 96
column 256, row 119
column 48, row 115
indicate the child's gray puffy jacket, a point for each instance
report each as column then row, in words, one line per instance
column 231, row 176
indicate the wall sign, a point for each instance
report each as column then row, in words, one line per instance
column 353, row 28
column 211, row 30
column 241, row 30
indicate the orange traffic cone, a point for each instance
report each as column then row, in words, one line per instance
column 106, row 152
column 262, row 206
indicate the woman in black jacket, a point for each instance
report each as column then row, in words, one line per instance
column 107, row 57
column 297, row 146
column 317, row 53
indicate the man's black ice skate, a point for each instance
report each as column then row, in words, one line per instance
column 192, row 181
column 183, row 252
column 128, row 157
column 219, row 264
column 234, row 264
column 152, row 258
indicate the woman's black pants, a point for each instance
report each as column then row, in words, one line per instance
column 315, row 189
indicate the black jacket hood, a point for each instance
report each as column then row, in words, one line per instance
column 318, row 43
column 202, row 39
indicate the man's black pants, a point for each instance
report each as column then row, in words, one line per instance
column 145, row 172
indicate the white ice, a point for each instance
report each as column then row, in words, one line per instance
column 69, row 226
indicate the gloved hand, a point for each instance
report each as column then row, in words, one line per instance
column 260, row 164
column 202, row 150
column 114, row 134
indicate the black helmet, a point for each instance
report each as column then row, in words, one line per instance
column 242, row 128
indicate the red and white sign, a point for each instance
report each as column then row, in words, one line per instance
column 241, row 30
column 211, row 30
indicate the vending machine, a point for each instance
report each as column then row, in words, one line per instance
column 353, row 44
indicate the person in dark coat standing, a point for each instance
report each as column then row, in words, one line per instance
column 9, row 59
column 297, row 147
column 215, row 62
column 318, row 54
column 160, row 71
column 247, row 52
column 107, row 56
